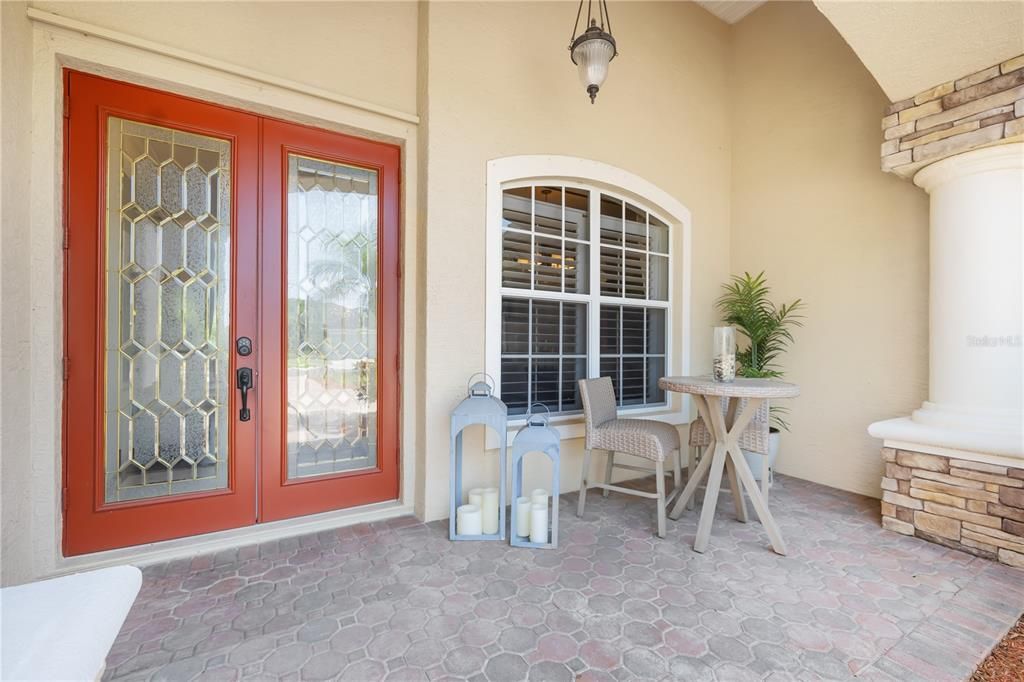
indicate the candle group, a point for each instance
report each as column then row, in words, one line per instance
column 480, row 516
column 485, row 500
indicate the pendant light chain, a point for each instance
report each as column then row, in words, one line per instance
column 576, row 26
column 606, row 18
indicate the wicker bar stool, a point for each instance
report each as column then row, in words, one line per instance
column 644, row 438
column 753, row 439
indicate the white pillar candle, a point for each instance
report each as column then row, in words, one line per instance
column 539, row 523
column 476, row 497
column 523, row 516
column 467, row 520
column 539, row 496
column 490, row 511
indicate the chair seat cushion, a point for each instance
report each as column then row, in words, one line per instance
column 653, row 440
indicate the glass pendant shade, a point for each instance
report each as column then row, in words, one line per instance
column 592, row 52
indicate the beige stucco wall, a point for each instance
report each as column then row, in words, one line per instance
column 811, row 207
column 15, row 340
column 499, row 86
column 365, row 50
column 911, row 46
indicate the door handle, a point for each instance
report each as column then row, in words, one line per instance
column 244, row 383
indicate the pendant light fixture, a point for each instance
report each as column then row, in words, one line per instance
column 594, row 49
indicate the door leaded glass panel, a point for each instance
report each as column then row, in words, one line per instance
column 168, row 302
column 331, row 286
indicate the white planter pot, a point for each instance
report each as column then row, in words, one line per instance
column 756, row 460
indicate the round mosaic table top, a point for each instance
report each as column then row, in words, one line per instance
column 740, row 388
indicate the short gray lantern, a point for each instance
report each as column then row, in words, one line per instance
column 484, row 520
column 535, row 436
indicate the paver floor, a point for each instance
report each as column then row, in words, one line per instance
column 398, row 601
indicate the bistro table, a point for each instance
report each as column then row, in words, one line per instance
column 724, row 454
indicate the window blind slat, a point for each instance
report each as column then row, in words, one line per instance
column 632, row 381
column 547, row 264
column 515, row 260
column 515, row 378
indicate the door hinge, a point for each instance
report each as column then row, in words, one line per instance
column 66, row 369
column 67, row 105
column 66, row 239
column 64, row 499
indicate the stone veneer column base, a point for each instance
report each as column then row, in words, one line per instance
column 971, row 506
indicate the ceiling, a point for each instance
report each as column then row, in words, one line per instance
column 730, row 11
column 910, row 47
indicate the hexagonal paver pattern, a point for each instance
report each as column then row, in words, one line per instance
column 397, row 601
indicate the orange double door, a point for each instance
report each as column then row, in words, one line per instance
column 231, row 315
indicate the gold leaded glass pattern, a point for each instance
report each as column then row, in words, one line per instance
column 332, row 317
column 167, row 292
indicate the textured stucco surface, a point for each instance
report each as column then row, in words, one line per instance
column 663, row 115
column 15, row 293
column 812, row 209
column 912, row 46
column 365, row 50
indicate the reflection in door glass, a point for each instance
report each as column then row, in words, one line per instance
column 167, row 307
column 332, row 317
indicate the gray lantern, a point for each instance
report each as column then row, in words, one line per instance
column 479, row 407
column 535, row 436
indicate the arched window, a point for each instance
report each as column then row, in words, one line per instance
column 580, row 283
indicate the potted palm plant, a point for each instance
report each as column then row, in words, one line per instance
column 768, row 329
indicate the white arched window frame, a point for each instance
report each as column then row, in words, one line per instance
column 600, row 178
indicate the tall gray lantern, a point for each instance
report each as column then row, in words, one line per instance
column 536, row 436
column 479, row 407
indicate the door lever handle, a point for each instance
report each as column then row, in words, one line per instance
column 244, row 383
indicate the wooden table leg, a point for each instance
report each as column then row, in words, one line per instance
column 737, row 492
column 691, row 486
column 760, row 506
column 734, row 485
column 727, row 440
column 707, row 512
column 696, row 474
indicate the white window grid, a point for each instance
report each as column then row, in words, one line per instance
column 594, row 298
column 531, row 356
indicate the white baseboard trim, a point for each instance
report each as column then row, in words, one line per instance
column 169, row 550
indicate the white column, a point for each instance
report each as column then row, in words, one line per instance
column 976, row 354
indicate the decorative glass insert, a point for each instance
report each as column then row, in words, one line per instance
column 332, row 317
column 168, row 232
column 548, row 286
